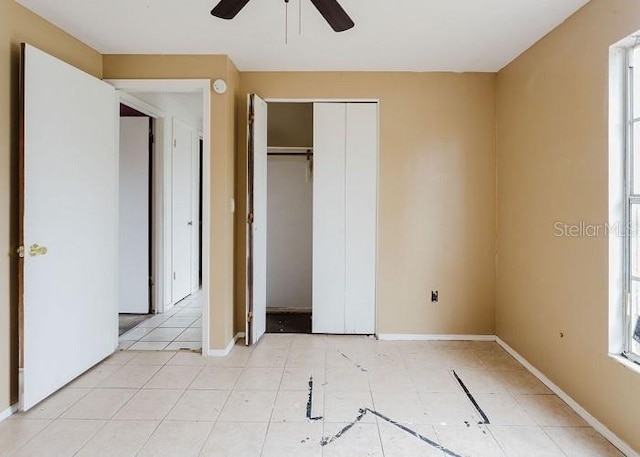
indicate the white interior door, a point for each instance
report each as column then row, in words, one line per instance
column 69, row 291
column 329, row 148
column 361, row 181
column 133, row 271
column 181, row 210
column 257, row 227
column 195, row 211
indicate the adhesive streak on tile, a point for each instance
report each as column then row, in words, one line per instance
column 310, row 402
column 485, row 419
column 328, row 440
column 364, row 370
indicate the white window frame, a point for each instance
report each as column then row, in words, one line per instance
column 630, row 199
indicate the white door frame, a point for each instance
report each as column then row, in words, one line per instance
column 352, row 100
column 123, row 86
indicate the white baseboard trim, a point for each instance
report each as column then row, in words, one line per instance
column 225, row 352
column 433, row 337
column 9, row 411
column 595, row 423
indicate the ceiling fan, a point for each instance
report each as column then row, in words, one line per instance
column 331, row 10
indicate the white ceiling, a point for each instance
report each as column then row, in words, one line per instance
column 403, row 35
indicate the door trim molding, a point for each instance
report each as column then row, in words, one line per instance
column 377, row 101
column 183, row 85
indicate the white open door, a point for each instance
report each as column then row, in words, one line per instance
column 181, row 210
column 256, row 219
column 69, row 204
column 196, row 250
column 133, row 271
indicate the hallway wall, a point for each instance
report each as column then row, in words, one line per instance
column 223, row 130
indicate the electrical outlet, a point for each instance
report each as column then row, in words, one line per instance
column 434, row 296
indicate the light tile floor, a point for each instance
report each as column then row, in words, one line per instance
column 179, row 328
column 253, row 403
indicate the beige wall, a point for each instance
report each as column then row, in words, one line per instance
column 437, row 192
column 17, row 25
column 290, row 125
column 222, row 165
column 553, row 166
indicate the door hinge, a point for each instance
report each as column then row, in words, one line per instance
column 250, row 317
column 250, row 218
column 175, row 143
column 20, row 252
column 174, row 275
column 251, row 119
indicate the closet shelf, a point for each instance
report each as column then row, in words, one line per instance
column 289, row 149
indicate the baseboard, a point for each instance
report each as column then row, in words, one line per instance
column 225, row 352
column 595, row 423
column 433, row 337
column 9, row 411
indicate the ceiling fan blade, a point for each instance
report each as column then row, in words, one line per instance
column 228, row 9
column 334, row 14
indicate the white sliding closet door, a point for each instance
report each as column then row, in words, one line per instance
column 345, row 217
column 361, row 181
column 329, row 144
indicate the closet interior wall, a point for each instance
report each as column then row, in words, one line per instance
column 290, row 207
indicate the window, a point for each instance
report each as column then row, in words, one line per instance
column 631, row 309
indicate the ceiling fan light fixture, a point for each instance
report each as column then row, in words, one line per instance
column 331, row 10
column 228, row 9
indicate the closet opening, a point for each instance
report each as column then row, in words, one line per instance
column 311, row 233
column 289, row 218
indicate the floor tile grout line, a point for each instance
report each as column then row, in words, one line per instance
column 204, row 443
column 552, row 440
column 143, row 445
column 51, row 422
column 104, row 424
column 160, row 422
column 324, row 396
column 217, row 418
column 273, row 406
column 201, row 369
column 375, row 408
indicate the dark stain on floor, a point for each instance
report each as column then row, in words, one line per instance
column 288, row 322
column 127, row 321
